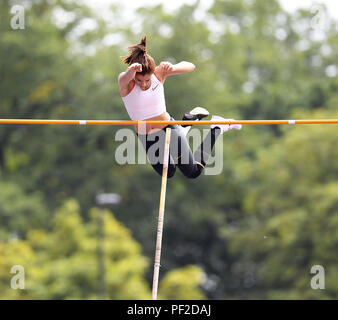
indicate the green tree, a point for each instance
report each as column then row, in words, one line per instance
column 253, row 61
column 20, row 211
column 182, row 284
column 62, row 263
column 290, row 212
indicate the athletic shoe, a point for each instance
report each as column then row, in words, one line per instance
column 224, row 127
column 195, row 114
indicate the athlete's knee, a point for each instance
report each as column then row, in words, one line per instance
column 194, row 173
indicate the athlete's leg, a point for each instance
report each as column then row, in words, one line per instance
column 153, row 144
column 192, row 165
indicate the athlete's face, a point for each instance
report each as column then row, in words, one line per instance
column 143, row 81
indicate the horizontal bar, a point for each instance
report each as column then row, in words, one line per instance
column 143, row 122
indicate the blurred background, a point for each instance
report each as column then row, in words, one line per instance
column 252, row 232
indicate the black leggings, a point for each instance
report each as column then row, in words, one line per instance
column 180, row 153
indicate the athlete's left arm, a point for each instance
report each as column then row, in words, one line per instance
column 166, row 69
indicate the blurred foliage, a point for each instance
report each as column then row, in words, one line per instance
column 254, row 231
column 61, row 263
column 182, row 284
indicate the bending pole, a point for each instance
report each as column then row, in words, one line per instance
column 143, row 122
column 161, row 215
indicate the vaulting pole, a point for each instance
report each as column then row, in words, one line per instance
column 161, row 215
column 143, row 122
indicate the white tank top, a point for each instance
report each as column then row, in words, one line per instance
column 146, row 104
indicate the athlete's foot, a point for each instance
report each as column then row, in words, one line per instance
column 195, row 114
column 224, row 127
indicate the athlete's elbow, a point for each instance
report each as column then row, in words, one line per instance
column 121, row 76
column 121, row 79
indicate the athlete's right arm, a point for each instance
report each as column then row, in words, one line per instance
column 129, row 75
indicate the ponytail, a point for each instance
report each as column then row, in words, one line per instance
column 138, row 54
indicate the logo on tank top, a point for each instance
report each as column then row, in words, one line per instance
column 155, row 87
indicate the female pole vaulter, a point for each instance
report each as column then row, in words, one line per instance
column 142, row 92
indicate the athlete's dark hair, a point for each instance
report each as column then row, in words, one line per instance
column 138, row 53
